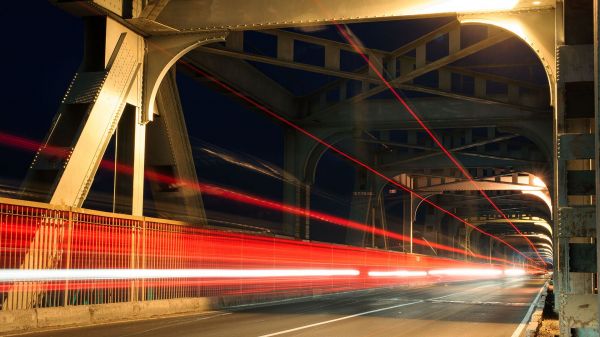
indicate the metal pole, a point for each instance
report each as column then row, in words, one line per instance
column 490, row 244
column 68, row 255
column 373, row 227
column 466, row 243
column 453, row 245
column 411, row 219
column 596, row 16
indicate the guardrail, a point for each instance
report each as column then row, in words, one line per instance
column 52, row 256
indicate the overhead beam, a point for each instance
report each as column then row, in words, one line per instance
column 482, row 184
column 331, row 67
column 437, row 112
column 438, row 152
column 493, row 39
column 263, row 14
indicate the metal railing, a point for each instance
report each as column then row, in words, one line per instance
column 36, row 236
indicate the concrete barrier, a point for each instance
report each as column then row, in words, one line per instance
column 536, row 317
column 42, row 318
column 17, row 320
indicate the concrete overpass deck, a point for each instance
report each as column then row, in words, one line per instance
column 483, row 308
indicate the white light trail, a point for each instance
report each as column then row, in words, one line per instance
column 514, row 272
column 32, row 275
column 398, row 273
column 466, row 272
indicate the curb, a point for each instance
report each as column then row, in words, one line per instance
column 536, row 318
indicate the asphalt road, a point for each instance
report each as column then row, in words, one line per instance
column 483, row 308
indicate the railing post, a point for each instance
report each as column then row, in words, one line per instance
column 143, row 282
column 68, row 254
column 132, row 290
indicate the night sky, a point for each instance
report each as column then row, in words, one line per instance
column 42, row 55
column 43, row 49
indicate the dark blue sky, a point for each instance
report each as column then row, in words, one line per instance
column 42, row 55
column 42, row 48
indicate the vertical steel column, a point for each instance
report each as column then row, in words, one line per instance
column 68, row 255
column 597, row 143
column 130, row 139
column 408, row 213
column 291, row 188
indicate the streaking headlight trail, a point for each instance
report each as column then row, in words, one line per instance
column 124, row 274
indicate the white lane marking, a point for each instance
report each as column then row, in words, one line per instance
column 481, row 303
column 369, row 312
column 187, row 321
column 338, row 319
column 525, row 320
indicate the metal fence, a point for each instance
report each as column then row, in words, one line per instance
column 35, row 236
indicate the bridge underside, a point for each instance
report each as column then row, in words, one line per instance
column 484, row 80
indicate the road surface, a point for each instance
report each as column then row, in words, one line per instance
column 494, row 308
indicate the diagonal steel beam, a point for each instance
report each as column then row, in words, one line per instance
column 455, row 149
column 491, row 156
column 247, row 79
column 395, row 144
column 153, row 9
column 453, row 57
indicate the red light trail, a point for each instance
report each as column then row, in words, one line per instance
column 202, row 261
column 102, row 254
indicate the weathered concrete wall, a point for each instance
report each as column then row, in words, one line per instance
column 33, row 319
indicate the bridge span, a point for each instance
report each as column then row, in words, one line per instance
column 301, row 168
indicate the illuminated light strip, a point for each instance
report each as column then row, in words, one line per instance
column 31, row 275
column 514, row 272
column 356, row 46
column 397, row 273
column 345, row 155
column 465, row 272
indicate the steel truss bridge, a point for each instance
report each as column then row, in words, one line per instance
column 523, row 152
